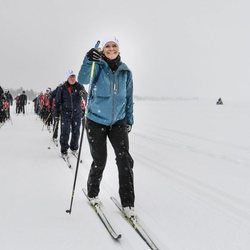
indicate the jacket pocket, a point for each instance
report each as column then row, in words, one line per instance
column 102, row 88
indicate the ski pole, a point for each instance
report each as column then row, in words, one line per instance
column 46, row 121
column 54, row 131
column 91, row 79
column 80, row 148
column 55, row 128
column 93, row 65
column 77, row 166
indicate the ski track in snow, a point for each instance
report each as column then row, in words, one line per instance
column 192, row 186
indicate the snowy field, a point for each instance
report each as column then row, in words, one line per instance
column 192, row 182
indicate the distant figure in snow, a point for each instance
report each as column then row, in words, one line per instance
column 68, row 105
column 46, row 109
column 109, row 116
column 36, row 105
column 17, row 99
column 219, row 102
column 22, row 102
column 2, row 100
column 9, row 99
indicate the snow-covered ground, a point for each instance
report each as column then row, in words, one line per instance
column 192, row 182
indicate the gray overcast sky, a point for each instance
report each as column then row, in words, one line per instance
column 174, row 47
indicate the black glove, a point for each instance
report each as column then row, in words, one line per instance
column 94, row 55
column 83, row 93
column 129, row 127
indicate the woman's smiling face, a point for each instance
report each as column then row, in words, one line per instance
column 111, row 50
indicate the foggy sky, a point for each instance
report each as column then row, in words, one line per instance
column 195, row 48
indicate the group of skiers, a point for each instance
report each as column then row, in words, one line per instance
column 44, row 105
column 109, row 115
column 6, row 100
column 21, row 102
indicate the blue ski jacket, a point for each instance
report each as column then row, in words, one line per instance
column 110, row 94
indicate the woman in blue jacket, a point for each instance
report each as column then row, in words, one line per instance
column 109, row 115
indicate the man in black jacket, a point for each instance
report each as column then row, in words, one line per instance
column 22, row 102
column 68, row 104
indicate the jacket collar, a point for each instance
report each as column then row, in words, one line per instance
column 122, row 66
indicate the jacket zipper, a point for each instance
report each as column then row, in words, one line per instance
column 71, row 105
column 113, row 104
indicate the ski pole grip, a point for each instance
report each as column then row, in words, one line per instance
column 93, row 64
column 97, row 44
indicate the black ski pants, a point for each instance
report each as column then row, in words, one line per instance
column 118, row 136
column 22, row 109
column 70, row 124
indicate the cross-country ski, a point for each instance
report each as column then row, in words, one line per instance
column 100, row 213
column 133, row 221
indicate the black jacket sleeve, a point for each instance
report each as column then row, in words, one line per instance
column 58, row 102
